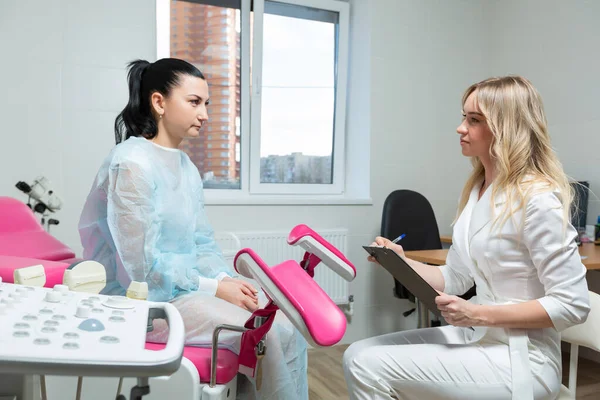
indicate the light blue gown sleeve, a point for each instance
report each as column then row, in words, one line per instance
column 210, row 262
column 135, row 226
column 130, row 215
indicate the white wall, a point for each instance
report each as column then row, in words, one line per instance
column 556, row 44
column 424, row 56
column 64, row 83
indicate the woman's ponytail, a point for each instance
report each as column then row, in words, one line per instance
column 136, row 119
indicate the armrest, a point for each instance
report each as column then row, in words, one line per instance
column 317, row 247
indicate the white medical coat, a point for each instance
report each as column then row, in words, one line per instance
column 530, row 259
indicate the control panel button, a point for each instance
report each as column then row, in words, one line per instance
column 109, row 339
column 83, row 311
column 16, row 297
column 8, row 301
column 71, row 335
column 61, row 288
column 118, row 302
column 91, row 325
column 53, row 297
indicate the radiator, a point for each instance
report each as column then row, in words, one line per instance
column 272, row 247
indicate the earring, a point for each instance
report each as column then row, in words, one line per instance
column 160, row 116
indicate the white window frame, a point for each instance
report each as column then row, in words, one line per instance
column 252, row 191
column 338, row 148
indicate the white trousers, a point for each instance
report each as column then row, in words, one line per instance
column 434, row 363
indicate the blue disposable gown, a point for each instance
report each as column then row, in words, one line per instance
column 144, row 220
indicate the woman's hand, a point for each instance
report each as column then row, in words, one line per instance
column 381, row 241
column 459, row 312
column 247, row 287
column 239, row 293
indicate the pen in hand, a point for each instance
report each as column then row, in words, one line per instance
column 399, row 238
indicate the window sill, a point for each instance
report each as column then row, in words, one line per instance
column 264, row 200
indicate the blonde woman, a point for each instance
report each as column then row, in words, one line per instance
column 513, row 239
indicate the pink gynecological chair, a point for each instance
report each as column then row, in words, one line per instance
column 211, row 373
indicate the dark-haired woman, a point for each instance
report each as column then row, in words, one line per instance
column 144, row 220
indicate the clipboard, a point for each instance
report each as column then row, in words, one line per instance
column 407, row 276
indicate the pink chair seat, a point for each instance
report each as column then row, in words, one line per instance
column 34, row 244
column 22, row 235
column 324, row 320
column 227, row 362
column 302, row 230
column 54, row 270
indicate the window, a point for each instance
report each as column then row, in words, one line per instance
column 289, row 59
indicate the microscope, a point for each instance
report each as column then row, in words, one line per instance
column 45, row 201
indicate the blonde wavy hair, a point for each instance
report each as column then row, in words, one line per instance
column 524, row 160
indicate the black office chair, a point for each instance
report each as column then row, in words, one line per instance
column 409, row 212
